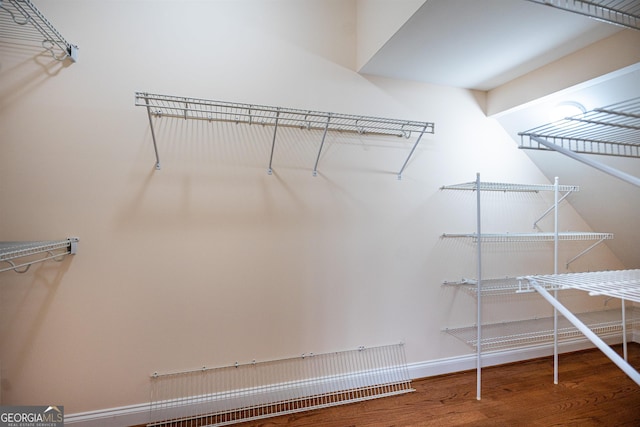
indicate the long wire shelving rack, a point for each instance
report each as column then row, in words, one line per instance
column 22, row 22
column 21, row 255
column 222, row 111
column 624, row 13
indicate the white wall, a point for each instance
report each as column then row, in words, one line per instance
column 210, row 260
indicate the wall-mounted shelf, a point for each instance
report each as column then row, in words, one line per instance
column 21, row 21
column 623, row 13
column 21, row 255
column 613, row 130
column 523, row 333
column 159, row 106
column 530, row 237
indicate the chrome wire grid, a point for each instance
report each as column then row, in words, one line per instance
column 539, row 331
column 508, row 187
column 625, row 13
column 613, row 130
column 22, row 23
column 623, row 284
column 12, row 252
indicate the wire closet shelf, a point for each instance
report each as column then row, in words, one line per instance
column 231, row 112
column 21, row 22
column 21, row 255
column 624, row 13
column 613, row 130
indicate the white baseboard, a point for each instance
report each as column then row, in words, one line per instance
column 140, row 414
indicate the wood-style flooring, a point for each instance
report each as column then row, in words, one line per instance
column 592, row 391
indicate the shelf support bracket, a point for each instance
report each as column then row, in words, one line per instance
column 324, row 135
column 424, row 129
column 595, row 339
column 273, row 143
column 153, row 133
column 535, row 224
column 584, row 252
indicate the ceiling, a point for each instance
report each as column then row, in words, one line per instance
column 486, row 44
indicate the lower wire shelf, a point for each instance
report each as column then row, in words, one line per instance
column 531, row 332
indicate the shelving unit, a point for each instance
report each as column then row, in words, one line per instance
column 623, row 13
column 22, row 22
column 509, row 334
column 21, row 255
column 159, row 106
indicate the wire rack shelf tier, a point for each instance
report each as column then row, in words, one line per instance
column 613, row 130
column 624, row 284
column 21, row 21
column 624, row 13
column 249, row 114
column 509, row 187
column 21, row 255
column 523, row 333
column 531, row 237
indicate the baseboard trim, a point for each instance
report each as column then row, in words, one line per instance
column 140, row 413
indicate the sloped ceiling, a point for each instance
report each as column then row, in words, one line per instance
column 504, row 47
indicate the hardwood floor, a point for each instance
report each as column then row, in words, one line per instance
column 592, row 391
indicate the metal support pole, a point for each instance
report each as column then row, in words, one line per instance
column 555, row 271
column 600, row 166
column 273, row 143
column 324, row 135
column 479, row 295
column 624, row 331
column 424, row 129
column 153, row 134
column 595, row 339
column 551, row 208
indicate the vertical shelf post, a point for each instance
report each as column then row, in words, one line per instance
column 555, row 271
column 479, row 293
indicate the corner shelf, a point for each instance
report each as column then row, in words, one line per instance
column 21, row 255
column 158, row 106
column 20, row 20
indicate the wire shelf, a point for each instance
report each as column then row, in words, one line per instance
column 20, row 255
column 613, row 130
column 493, row 286
column 523, row 333
column 21, row 21
column 509, row 187
column 623, row 284
column 624, row 13
column 222, row 111
column 531, row 237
